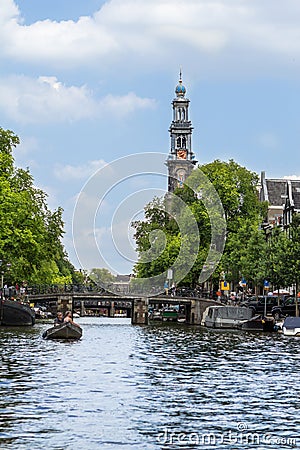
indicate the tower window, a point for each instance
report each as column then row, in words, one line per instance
column 181, row 142
column 181, row 114
column 180, row 179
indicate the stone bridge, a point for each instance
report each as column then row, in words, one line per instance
column 137, row 308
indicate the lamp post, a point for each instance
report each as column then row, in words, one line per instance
column 2, row 272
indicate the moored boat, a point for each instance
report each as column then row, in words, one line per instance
column 258, row 323
column 291, row 326
column 226, row 316
column 181, row 318
column 14, row 313
column 238, row 317
column 64, row 330
column 155, row 315
column 169, row 314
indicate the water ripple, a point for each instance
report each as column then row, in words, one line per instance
column 163, row 387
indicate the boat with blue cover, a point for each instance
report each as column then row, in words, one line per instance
column 291, row 326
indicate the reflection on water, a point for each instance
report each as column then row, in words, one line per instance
column 156, row 387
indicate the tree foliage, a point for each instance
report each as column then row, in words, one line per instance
column 100, row 276
column 30, row 234
column 159, row 238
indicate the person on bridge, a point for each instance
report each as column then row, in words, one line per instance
column 68, row 318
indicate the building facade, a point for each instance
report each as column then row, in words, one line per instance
column 283, row 197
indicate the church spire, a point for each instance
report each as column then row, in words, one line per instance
column 180, row 90
column 181, row 158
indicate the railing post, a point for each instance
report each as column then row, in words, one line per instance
column 112, row 309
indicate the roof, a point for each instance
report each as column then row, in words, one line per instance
column 296, row 193
column 277, row 190
column 122, row 278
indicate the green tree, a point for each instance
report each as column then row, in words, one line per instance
column 30, row 234
column 237, row 189
column 292, row 259
column 100, row 276
column 277, row 256
column 254, row 261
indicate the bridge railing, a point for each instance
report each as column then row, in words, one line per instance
column 38, row 289
column 184, row 291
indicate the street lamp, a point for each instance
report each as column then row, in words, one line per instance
column 2, row 272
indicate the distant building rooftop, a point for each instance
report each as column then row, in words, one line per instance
column 283, row 196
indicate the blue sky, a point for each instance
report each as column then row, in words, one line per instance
column 86, row 83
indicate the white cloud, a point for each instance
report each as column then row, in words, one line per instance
column 50, row 41
column 122, row 105
column 46, row 99
column 81, row 172
column 9, row 11
column 144, row 32
column 29, row 100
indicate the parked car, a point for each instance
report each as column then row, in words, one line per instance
column 287, row 308
column 259, row 303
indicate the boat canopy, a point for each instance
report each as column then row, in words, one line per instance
column 291, row 323
column 231, row 312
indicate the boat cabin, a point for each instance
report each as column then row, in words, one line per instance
column 226, row 316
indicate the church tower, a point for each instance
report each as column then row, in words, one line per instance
column 181, row 159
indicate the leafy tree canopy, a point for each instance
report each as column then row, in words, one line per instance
column 30, row 234
column 237, row 189
column 100, row 276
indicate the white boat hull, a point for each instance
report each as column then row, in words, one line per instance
column 291, row 332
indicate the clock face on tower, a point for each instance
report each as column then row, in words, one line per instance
column 181, row 154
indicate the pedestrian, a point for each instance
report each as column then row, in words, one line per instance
column 173, row 290
column 68, row 318
column 166, row 287
column 59, row 318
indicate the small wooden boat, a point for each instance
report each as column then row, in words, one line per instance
column 291, row 326
column 63, row 331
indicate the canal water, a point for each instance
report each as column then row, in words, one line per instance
column 155, row 387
